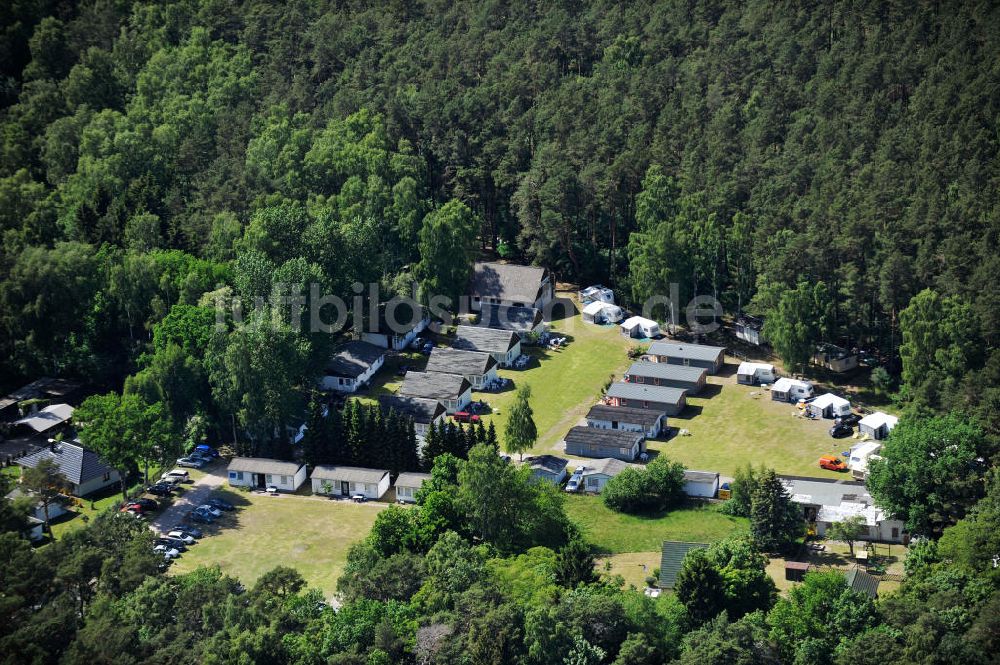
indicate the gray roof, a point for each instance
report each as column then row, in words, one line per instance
column 617, row 438
column 264, row 465
column 353, row 359
column 671, row 557
column 506, row 317
column 547, row 463
column 478, row 338
column 412, row 479
column 625, row 414
column 406, row 315
column 822, row 492
column 47, row 418
column 39, row 388
column 667, row 371
column 692, row 351
column 422, row 410
column 351, row 474
column 456, row 361
column 506, row 281
column 434, row 385
column 605, row 466
column 76, row 463
column 642, row 391
column 700, row 476
column 862, row 582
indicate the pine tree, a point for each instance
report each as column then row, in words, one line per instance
column 336, row 438
column 409, row 453
column 491, row 437
column 700, row 587
column 313, row 440
column 480, row 433
column 520, row 433
column 433, row 445
column 774, row 520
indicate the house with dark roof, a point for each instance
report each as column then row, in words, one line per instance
column 689, row 355
column 395, row 324
column 691, row 379
column 862, row 582
column 350, row 481
column 647, row 421
column 261, row 473
column 672, row 557
column 835, row 358
column 597, row 442
column 548, row 467
column 598, row 472
column 408, row 484
column 510, row 284
column 504, row 345
column 478, row 368
column 641, row 396
column 701, row 484
column 453, row 390
column 352, row 366
column 522, row 320
column 84, row 470
column 421, row 410
column 45, row 387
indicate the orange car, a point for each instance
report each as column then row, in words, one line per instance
column 832, row 463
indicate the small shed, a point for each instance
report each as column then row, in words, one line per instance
column 877, row 425
column 261, row 472
column 672, row 557
column 829, row 405
column 701, row 484
column 790, row 390
column 349, row 481
column 795, row 571
column 408, row 484
column 861, row 582
column 835, row 358
column 548, row 467
column 752, row 374
column 640, row 328
column 601, row 312
column 597, row 473
column 750, row 329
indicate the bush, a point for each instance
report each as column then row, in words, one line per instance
column 659, row 486
column 637, row 351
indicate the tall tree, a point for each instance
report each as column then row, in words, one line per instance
column 46, row 482
column 700, row 588
column 774, row 520
column 447, row 243
column 520, row 432
column 800, row 320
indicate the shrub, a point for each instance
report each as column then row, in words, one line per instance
column 659, row 486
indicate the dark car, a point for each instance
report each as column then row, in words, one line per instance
column 160, row 490
column 200, row 518
column 175, row 543
column 188, row 529
column 221, row 504
column 840, row 431
column 145, row 504
column 850, row 420
column 206, row 450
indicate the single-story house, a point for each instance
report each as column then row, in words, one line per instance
column 45, row 387
column 862, row 582
column 477, row 367
column 790, row 390
column 84, row 470
column 521, row 320
column 646, row 421
column 45, row 420
column 596, row 293
column 825, row 501
column 453, row 390
column 601, row 312
column 421, row 410
column 261, row 472
column 750, row 329
column 509, row 284
column 861, row 454
column 352, row 366
column 672, row 557
column 504, row 345
column 349, row 481
column 598, row 442
column 641, row 396
column 598, row 472
column 408, row 484
column 690, row 355
column 752, row 374
column 638, row 327
column 877, row 425
column 396, row 324
column 548, row 467
column 56, row 508
column 691, row 379
column 829, row 405
column 835, row 358
column 702, row 484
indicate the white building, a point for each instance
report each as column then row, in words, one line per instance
column 602, row 312
column 598, row 472
column 408, row 484
column 350, row 481
column 829, row 405
column 752, row 374
column 701, row 484
column 639, row 327
column 352, row 366
column 825, row 501
column 261, row 473
column 861, row 454
column 877, row 425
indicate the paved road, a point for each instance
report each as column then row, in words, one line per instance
column 193, row 496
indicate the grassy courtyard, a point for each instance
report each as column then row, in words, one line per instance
column 310, row 535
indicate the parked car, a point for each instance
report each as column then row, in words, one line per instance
column 167, row 552
column 200, row 518
column 220, row 504
column 465, row 417
column 832, row 463
column 204, row 457
column 206, row 508
column 185, row 538
column 146, row 504
column 176, row 543
column 160, row 489
column 840, row 431
column 207, row 450
column 850, row 420
column 131, row 509
column 191, row 462
column 176, row 476
column 574, row 483
column 188, row 529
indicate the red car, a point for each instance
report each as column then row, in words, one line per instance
column 832, row 463
column 465, row 417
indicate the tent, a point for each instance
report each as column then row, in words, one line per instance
column 601, row 312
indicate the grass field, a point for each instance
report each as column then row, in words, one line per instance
column 630, row 566
column 615, row 533
column 310, row 535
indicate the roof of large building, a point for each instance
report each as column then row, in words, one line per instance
column 505, row 317
column 603, row 437
column 646, row 392
column 605, row 466
column 692, row 351
column 667, row 371
column 457, row 361
column 434, row 385
column 39, row 388
column 700, row 476
column 671, row 557
column 353, row 359
column 76, row 463
column 405, row 315
column 624, row 414
column 479, row 338
column 506, row 281
column 410, row 479
column 264, row 465
column 351, row 474
column 862, row 582
column 421, row 409
column 47, row 418
column 547, row 463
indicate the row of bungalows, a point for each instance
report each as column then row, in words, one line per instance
column 691, row 379
column 522, row 321
column 620, row 444
column 662, row 399
column 478, row 368
column 689, row 355
column 648, row 422
column 453, row 390
column 423, row 411
column 503, row 345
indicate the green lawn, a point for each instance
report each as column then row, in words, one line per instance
column 310, row 535
column 616, row 533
